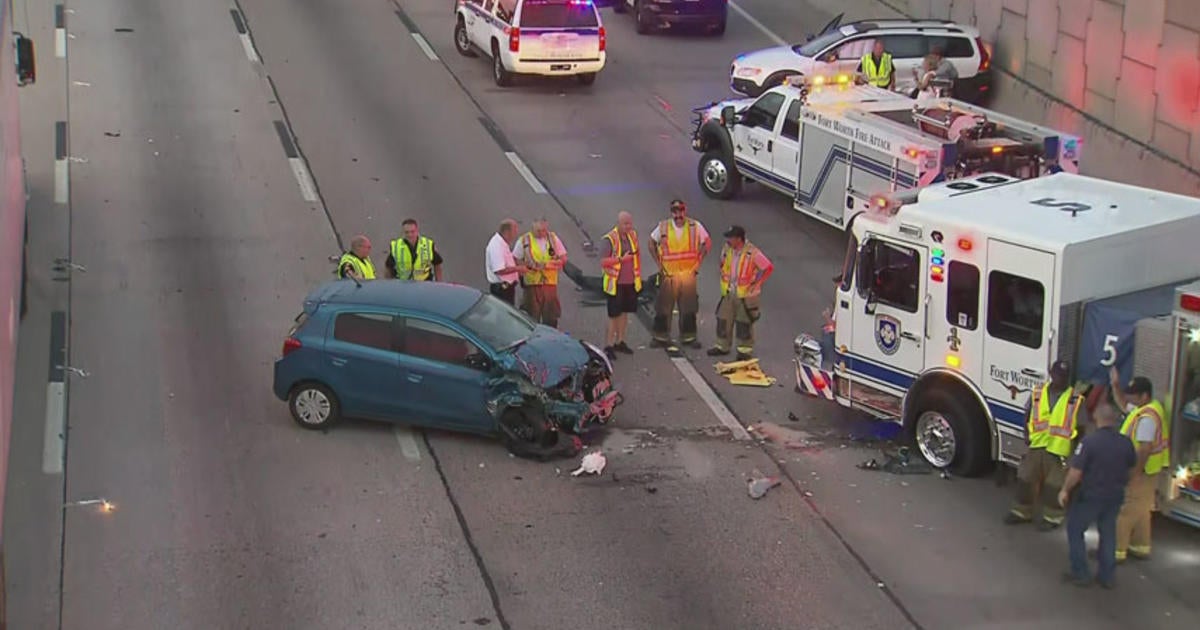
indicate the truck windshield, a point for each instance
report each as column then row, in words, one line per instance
column 559, row 14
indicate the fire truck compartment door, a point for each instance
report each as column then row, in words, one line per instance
column 1018, row 290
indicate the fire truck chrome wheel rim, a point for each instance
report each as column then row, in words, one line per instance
column 935, row 438
column 715, row 175
column 312, row 406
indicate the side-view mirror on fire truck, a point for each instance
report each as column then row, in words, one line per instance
column 26, row 66
column 728, row 114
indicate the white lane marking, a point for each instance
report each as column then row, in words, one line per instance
column 62, row 185
column 759, row 25
column 424, row 46
column 60, row 43
column 52, row 441
column 710, row 398
column 519, row 164
column 307, row 189
column 408, row 443
column 248, row 45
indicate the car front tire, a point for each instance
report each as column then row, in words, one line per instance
column 314, row 406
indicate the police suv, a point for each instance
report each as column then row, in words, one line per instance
column 540, row 37
column 830, row 143
column 956, row 298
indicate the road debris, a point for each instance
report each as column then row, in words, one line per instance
column 592, row 463
column 899, row 463
column 758, row 486
column 793, row 417
column 746, row 372
column 788, row 438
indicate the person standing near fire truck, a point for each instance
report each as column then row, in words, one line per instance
column 1052, row 424
column 679, row 245
column 1146, row 425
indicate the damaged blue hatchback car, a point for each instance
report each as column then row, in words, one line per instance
column 444, row 356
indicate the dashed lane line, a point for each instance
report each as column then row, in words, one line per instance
column 710, row 398
column 407, row 439
column 424, row 46
column 530, row 178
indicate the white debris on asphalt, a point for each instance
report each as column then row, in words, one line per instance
column 758, row 486
column 592, row 463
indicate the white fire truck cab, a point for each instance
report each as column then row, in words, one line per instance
column 958, row 296
column 830, row 144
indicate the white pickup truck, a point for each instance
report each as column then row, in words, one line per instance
column 831, row 144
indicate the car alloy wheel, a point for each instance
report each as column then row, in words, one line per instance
column 312, row 407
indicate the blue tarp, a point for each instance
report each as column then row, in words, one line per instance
column 1117, row 317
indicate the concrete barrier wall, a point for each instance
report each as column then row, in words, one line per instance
column 1125, row 74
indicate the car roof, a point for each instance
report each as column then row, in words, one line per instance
column 931, row 27
column 436, row 298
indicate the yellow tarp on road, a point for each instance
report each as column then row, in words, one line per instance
column 745, row 372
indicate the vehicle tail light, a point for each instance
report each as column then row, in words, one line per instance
column 603, row 39
column 985, row 59
column 1190, row 302
column 290, row 344
column 818, row 381
column 514, row 39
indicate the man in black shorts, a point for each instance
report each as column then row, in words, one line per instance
column 622, row 266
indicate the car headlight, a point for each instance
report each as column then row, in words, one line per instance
column 747, row 72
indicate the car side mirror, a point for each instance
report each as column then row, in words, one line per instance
column 728, row 114
column 869, row 307
column 26, row 64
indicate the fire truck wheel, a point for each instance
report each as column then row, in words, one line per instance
column 951, row 434
column 718, row 176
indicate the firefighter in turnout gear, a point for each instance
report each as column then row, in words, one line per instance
column 744, row 268
column 414, row 257
column 1147, row 427
column 1053, row 420
column 543, row 255
column 356, row 263
column 679, row 245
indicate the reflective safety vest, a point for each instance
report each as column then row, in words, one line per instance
column 742, row 269
column 680, row 254
column 611, row 273
column 1159, row 455
column 1053, row 429
column 406, row 269
column 537, row 253
column 879, row 76
column 364, row 266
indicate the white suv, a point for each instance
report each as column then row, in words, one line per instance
column 544, row 37
column 839, row 49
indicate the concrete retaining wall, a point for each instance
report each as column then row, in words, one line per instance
column 1125, row 74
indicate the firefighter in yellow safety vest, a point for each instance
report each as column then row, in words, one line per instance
column 544, row 255
column 1052, row 425
column 1147, row 426
column 356, row 263
column 621, row 262
column 744, row 269
column 679, row 245
column 414, row 257
column 878, row 68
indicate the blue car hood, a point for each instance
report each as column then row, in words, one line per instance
column 550, row 356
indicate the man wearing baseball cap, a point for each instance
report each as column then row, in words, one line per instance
column 744, row 268
column 1052, row 420
column 1146, row 425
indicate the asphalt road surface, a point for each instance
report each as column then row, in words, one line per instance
column 211, row 174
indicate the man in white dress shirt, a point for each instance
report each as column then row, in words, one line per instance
column 501, row 269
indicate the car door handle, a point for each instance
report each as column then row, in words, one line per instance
column 337, row 362
column 1031, row 372
column 909, row 336
column 770, row 145
column 415, row 378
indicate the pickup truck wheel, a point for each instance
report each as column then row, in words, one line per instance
column 951, row 434
column 587, row 78
column 718, row 29
column 462, row 39
column 619, row 6
column 314, row 406
column 501, row 75
column 643, row 26
column 718, row 176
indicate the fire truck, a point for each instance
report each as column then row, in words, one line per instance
column 831, row 143
column 957, row 297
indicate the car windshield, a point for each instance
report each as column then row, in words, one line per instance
column 560, row 14
column 811, row 48
column 496, row 323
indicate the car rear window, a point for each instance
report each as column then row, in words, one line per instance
column 558, row 15
column 953, row 47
